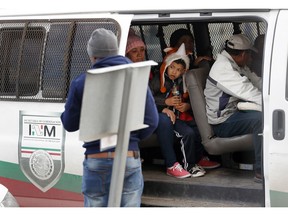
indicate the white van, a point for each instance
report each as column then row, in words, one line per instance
column 40, row 54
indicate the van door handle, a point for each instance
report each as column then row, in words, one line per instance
column 278, row 124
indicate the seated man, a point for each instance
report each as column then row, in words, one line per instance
column 230, row 81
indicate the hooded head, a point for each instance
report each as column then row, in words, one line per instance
column 178, row 54
column 102, row 43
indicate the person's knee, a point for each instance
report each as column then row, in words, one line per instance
column 257, row 119
column 164, row 121
column 189, row 135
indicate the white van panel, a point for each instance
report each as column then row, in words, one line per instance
column 276, row 148
column 73, row 150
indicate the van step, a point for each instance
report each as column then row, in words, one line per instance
column 150, row 201
column 218, row 188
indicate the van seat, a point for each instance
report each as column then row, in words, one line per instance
column 196, row 81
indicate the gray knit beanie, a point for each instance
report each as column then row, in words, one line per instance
column 102, row 43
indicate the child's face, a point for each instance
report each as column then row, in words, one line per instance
column 175, row 70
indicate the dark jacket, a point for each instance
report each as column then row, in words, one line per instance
column 71, row 115
column 161, row 97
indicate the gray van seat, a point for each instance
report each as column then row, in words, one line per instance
column 149, row 142
column 196, row 81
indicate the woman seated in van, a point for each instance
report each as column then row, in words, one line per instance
column 175, row 112
column 135, row 49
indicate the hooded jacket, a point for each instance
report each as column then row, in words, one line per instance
column 162, row 86
column 71, row 115
column 228, row 84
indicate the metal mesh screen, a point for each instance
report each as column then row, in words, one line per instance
column 157, row 37
column 220, row 32
column 38, row 60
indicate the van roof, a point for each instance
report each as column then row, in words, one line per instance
column 34, row 7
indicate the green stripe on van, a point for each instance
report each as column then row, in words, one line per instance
column 278, row 199
column 68, row 182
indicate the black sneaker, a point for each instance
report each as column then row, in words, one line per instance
column 197, row 171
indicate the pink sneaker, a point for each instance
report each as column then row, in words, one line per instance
column 207, row 164
column 177, row 171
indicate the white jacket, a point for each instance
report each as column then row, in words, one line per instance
column 228, row 84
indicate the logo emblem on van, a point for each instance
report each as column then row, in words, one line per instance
column 41, row 148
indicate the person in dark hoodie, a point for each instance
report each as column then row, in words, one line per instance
column 102, row 49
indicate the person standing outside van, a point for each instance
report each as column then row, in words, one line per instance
column 102, row 49
column 230, row 82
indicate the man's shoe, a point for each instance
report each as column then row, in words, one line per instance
column 207, row 164
column 197, row 171
column 177, row 171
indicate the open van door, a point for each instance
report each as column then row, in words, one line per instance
column 276, row 149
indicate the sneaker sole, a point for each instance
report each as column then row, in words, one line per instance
column 210, row 167
column 198, row 175
column 185, row 176
column 258, row 180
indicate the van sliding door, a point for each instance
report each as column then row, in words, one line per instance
column 276, row 116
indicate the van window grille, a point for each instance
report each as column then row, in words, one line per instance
column 20, row 54
column 39, row 59
column 220, row 32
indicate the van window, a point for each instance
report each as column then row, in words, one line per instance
column 220, row 32
column 157, row 36
column 38, row 60
column 20, row 58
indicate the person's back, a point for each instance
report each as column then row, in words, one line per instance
column 102, row 49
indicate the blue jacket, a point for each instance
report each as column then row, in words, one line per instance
column 71, row 115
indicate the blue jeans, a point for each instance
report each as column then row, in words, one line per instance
column 241, row 123
column 190, row 142
column 97, row 177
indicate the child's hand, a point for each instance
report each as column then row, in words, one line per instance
column 173, row 101
column 182, row 107
column 170, row 114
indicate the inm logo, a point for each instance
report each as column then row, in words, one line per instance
column 42, row 130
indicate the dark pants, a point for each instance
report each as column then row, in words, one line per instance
column 191, row 146
column 241, row 123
